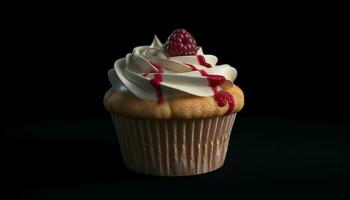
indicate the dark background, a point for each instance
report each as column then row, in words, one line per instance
column 290, row 58
column 291, row 66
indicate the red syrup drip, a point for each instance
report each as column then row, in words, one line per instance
column 221, row 97
column 193, row 68
column 156, row 80
column 214, row 80
column 158, row 67
column 202, row 61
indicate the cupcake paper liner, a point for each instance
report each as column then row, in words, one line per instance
column 173, row 147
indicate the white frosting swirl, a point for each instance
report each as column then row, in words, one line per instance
column 138, row 68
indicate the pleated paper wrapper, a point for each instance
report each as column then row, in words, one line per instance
column 173, row 147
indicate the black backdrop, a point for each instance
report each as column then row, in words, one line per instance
column 289, row 59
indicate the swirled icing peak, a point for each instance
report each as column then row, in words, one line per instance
column 151, row 74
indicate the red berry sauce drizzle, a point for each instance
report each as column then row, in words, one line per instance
column 156, row 80
column 221, row 97
column 193, row 68
column 158, row 69
column 202, row 61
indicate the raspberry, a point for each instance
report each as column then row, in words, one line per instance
column 180, row 43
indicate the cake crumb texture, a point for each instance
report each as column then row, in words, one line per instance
column 125, row 103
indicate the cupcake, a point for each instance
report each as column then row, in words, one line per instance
column 173, row 107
